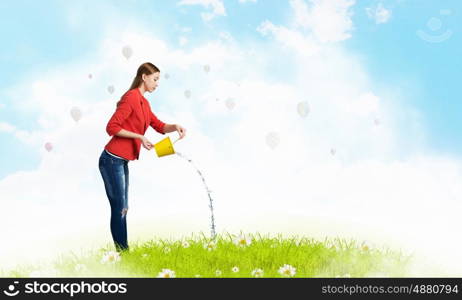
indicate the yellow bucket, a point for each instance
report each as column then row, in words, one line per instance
column 164, row 147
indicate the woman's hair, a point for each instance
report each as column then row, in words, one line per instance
column 147, row 68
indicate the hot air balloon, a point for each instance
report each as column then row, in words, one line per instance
column 167, row 76
column 272, row 139
column 110, row 89
column 207, row 68
column 127, row 52
column 230, row 103
column 48, row 146
column 376, row 121
column 303, row 109
column 90, row 76
column 76, row 114
column 332, row 151
column 187, row 93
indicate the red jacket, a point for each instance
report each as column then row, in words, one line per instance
column 134, row 114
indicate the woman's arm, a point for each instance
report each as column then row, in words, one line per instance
column 175, row 127
column 169, row 128
column 129, row 134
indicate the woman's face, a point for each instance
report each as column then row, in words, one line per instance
column 151, row 81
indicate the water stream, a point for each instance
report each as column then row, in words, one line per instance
column 207, row 190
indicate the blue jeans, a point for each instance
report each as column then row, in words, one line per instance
column 115, row 176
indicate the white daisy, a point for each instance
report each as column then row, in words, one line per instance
column 210, row 245
column 110, row 257
column 235, row 269
column 242, row 241
column 44, row 273
column 144, row 255
column 185, row 244
column 167, row 250
column 377, row 274
column 166, row 273
column 197, row 276
column 80, row 268
column 257, row 273
column 287, row 270
column 218, row 272
column 365, row 246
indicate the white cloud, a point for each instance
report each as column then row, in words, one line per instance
column 246, row 1
column 217, row 6
column 372, row 188
column 7, row 127
column 183, row 40
column 327, row 21
column 25, row 136
column 225, row 35
column 289, row 38
column 379, row 13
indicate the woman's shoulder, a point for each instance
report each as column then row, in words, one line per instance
column 130, row 95
column 131, row 92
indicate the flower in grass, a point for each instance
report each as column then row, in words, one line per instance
column 166, row 273
column 185, row 244
column 167, row 250
column 287, row 270
column 297, row 243
column 377, row 274
column 80, row 268
column 365, row 246
column 110, row 257
column 144, row 255
column 197, row 275
column 44, row 273
column 242, row 241
column 257, row 273
column 235, row 269
column 218, row 272
column 211, row 245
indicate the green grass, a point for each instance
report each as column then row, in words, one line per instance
column 311, row 258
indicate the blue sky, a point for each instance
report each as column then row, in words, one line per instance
column 38, row 36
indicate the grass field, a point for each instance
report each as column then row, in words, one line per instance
column 228, row 255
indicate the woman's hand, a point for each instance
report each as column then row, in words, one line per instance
column 181, row 131
column 145, row 142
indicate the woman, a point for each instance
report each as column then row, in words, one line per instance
column 127, row 127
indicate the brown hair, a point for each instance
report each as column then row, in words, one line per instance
column 147, row 68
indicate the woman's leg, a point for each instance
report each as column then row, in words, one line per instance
column 125, row 203
column 113, row 173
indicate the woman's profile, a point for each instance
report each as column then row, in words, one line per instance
column 127, row 127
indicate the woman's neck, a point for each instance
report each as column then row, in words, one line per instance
column 142, row 91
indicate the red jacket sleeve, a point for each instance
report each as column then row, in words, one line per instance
column 123, row 111
column 157, row 124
